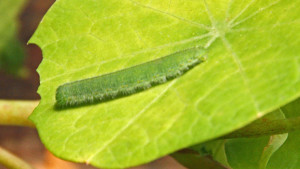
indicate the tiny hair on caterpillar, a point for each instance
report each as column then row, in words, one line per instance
column 128, row 81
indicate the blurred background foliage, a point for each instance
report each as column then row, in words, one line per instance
column 11, row 50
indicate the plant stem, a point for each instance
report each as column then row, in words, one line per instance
column 11, row 161
column 263, row 128
column 16, row 112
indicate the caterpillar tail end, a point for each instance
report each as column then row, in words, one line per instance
column 61, row 101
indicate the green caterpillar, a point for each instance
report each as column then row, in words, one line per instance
column 128, row 81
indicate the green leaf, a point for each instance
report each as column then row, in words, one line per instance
column 288, row 154
column 259, row 150
column 11, row 51
column 252, row 68
column 214, row 148
column 196, row 161
column 275, row 152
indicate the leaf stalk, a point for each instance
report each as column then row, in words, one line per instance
column 11, row 161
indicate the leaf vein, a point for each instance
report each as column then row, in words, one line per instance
column 132, row 120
